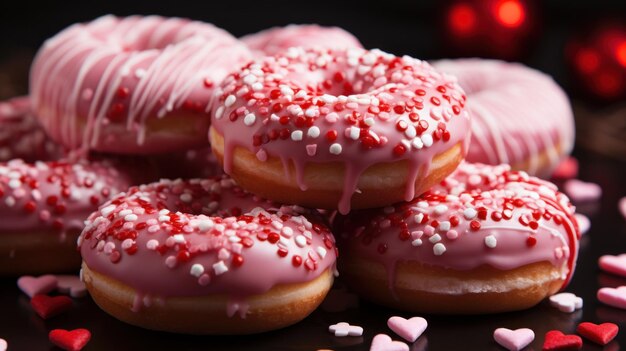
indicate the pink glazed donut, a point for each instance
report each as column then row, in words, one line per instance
column 205, row 257
column 278, row 39
column 134, row 85
column 520, row 116
column 43, row 207
column 21, row 136
column 487, row 239
column 339, row 129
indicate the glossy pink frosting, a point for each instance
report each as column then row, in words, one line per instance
column 21, row 136
column 518, row 113
column 198, row 237
column 95, row 85
column 354, row 107
column 275, row 40
column 54, row 195
column 479, row 215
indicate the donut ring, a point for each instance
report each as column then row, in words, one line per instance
column 43, row 207
column 21, row 136
column 520, row 116
column 134, row 85
column 339, row 129
column 236, row 269
column 275, row 40
column 487, row 239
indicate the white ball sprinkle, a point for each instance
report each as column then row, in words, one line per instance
column 296, row 135
column 439, row 249
column 186, row 197
column 491, row 241
column 335, row 149
column 130, row 217
column 469, row 213
column 435, row 238
column 441, row 209
column 220, row 268
column 230, row 100
column 300, row 240
column 196, row 270
column 249, row 119
column 313, row 132
column 427, row 140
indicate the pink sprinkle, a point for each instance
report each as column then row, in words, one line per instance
column 583, row 223
column 261, row 155
column 567, row 169
column 581, row 191
column 452, row 234
column 622, row 206
column 331, row 117
column 429, row 230
column 311, row 149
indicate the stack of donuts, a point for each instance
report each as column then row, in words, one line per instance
column 303, row 122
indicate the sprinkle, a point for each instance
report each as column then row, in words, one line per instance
column 416, row 242
column 300, row 241
column 444, row 226
column 296, row 135
column 186, row 197
column 311, row 149
column 435, row 238
column 249, row 119
column 491, row 241
column 441, row 209
column 321, row 252
column 230, row 100
column 220, row 268
column 105, row 211
column 418, row 218
column 131, row 217
column 427, row 140
column 152, row 244
column 335, row 149
column 469, row 213
column 196, row 270
column 439, row 249
column 313, row 132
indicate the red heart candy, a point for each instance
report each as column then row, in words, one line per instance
column 73, row 340
column 601, row 334
column 47, row 306
column 557, row 341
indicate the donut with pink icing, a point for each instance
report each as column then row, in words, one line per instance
column 339, row 129
column 133, row 85
column 205, row 257
column 520, row 116
column 21, row 136
column 43, row 207
column 486, row 239
column 275, row 40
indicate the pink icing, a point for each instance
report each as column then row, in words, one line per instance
column 479, row 215
column 21, row 136
column 518, row 113
column 278, row 39
column 96, row 85
column 198, row 237
column 53, row 195
column 355, row 107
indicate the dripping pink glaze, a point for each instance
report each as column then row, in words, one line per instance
column 54, row 195
column 155, row 251
column 278, row 39
column 518, row 113
column 95, row 85
column 285, row 106
column 539, row 227
column 21, row 136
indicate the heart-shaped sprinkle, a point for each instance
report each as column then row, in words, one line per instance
column 613, row 264
column 71, row 285
column 580, row 191
column 600, row 334
column 568, row 168
column 622, row 206
column 557, row 341
column 583, row 223
column 408, row 329
column 345, row 329
column 47, row 307
column 615, row 297
column 73, row 340
column 382, row 342
column 513, row 340
column 32, row 286
column 3, row 345
column 566, row 302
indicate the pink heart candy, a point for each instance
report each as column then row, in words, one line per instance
column 71, row 284
column 3, row 345
column 568, row 168
column 580, row 191
column 583, row 223
column 382, row 342
column 615, row 297
column 613, row 264
column 408, row 329
column 32, row 286
column 513, row 340
column 622, row 206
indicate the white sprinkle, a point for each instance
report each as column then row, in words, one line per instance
column 441, row 209
column 335, row 149
column 107, row 210
column 285, row 90
column 230, row 100
column 179, row 238
column 321, row 252
column 250, row 79
column 469, row 213
column 369, row 121
column 418, row 218
column 219, row 112
column 9, row 201
column 287, row 231
column 164, row 218
column 444, row 226
column 435, row 238
column 296, row 135
column 300, row 241
column 14, row 183
column 313, row 132
column 154, row 228
column 196, row 270
column 491, row 241
column 410, row 132
column 170, row 261
column 220, row 268
column 152, row 244
column 186, row 197
column 205, row 224
column 439, row 249
column 416, row 242
column 354, row 133
column 131, row 217
column 417, row 143
column 310, row 112
column 427, row 139
column 249, row 119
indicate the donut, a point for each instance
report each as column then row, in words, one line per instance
column 133, row 85
column 275, row 40
column 339, row 129
column 202, row 256
column 21, row 136
column 520, row 116
column 43, row 206
column 487, row 239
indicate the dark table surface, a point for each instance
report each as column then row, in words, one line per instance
column 24, row 330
